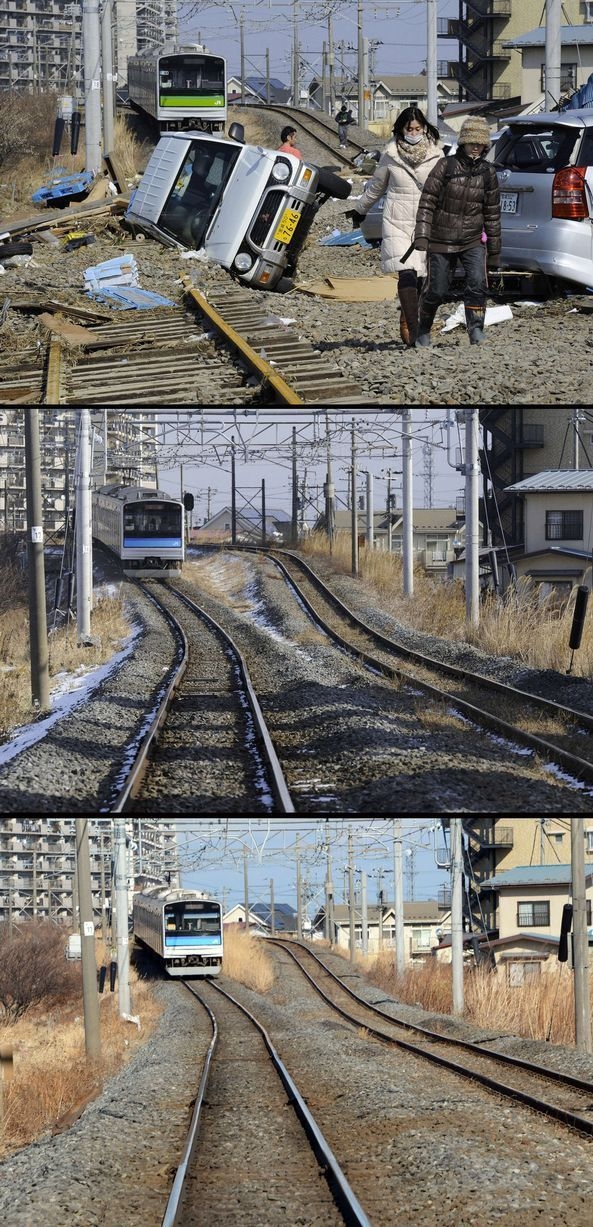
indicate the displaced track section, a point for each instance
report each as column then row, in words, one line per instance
column 276, row 1149
column 208, row 749
column 561, row 1097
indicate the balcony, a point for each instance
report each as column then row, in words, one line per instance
column 499, row 837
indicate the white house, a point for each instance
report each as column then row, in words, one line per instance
column 423, row 921
column 530, row 902
column 558, row 519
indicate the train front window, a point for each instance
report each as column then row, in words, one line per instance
column 191, row 75
column 188, row 922
column 154, row 521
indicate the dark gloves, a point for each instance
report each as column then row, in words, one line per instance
column 421, row 244
column 355, row 218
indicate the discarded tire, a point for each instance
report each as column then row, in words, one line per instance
column 15, row 249
column 333, row 185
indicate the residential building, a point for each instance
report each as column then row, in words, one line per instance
column 248, row 526
column 530, row 898
column 389, row 94
column 519, row 443
column 38, row 864
column 424, row 920
column 576, row 59
column 488, row 65
column 131, row 456
column 257, row 90
column 236, row 916
column 558, row 519
column 437, row 533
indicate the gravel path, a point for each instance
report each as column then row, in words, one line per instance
column 544, row 354
column 445, row 1154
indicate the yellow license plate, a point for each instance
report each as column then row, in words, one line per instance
column 287, row 226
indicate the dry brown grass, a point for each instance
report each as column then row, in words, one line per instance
column 247, row 960
column 542, row 1009
column 521, row 627
column 52, row 1076
column 109, row 629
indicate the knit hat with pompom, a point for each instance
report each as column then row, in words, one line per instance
column 474, row 131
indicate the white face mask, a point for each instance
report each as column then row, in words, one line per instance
column 413, row 138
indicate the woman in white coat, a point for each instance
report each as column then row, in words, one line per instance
column 400, row 177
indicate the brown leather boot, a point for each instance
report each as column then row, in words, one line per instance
column 408, row 320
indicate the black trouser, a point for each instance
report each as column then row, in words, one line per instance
column 441, row 266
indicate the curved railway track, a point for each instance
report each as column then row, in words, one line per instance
column 554, row 731
column 324, row 130
column 209, row 711
column 243, row 1074
column 561, row 1097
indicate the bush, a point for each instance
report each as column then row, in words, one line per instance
column 33, row 968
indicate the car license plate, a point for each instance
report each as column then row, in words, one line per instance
column 508, row 202
column 287, row 226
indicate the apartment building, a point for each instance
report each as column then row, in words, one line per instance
column 130, row 456
column 38, row 864
column 41, row 40
column 485, row 69
column 519, row 443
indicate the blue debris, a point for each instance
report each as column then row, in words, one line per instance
column 59, row 188
column 122, row 270
column 349, row 238
column 129, row 297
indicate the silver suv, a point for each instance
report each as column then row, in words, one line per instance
column 545, row 173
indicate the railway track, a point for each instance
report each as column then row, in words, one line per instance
column 561, row 1097
column 208, row 746
column 553, row 731
column 324, row 130
column 244, row 1076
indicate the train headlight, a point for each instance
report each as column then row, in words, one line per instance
column 281, row 171
column 243, row 262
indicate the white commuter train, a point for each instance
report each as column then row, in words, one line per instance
column 144, row 528
column 182, row 927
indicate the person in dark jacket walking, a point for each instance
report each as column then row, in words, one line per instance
column 343, row 119
column 458, row 218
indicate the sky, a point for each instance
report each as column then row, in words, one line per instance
column 213, row 852
column 263, row 451
column 398, row 26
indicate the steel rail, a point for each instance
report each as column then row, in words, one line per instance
column 582, row 768
column 346, row 1200
column 572, row 1119
column 140, row 765
column 277, row 781
column 171, row 1215
column 312, row 124
column 284, row 392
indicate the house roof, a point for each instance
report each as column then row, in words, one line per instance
column 425, row 519
column 285, row 917
column 531, row 875
column 569, row 36
column 555, row 480
column 414, row 910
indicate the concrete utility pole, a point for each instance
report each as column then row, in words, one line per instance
column 553, row 54
column 457, row 914
column 233, row 495
column 246, row 889
column 242, row 53
column 296, row 55
column 580, row 941
column 90, row 997
column 432, row 113
column 263, row 512
column 351, row 915
column 299, row 887
column 398, row 902
column 36, row 565
column 408, row 503
column 294, row 522
column 364, row 913
column 354, row 508
column 272, row 909
column 370, row 512
column 84, row 548
column 472, row 521
column 389, row 522
column 329, row 898
column 121, row 906
column 91, row 50
column 360, row 59
column 108, row 82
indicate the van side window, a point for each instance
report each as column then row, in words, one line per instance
column 585, row 154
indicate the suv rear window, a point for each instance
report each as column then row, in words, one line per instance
column 537, row 150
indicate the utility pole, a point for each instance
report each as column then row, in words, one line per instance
column 329, row 898
column 121, row 905
column 331, row 60
column 364, row 913
column 580, row 941
column 472, row 542
column 233, row 495
column 553, row 54
column 84, row 551
column 431, row 62
column 92, row 1027
column 263, row 512
column 246, row 890
column 389, row 523
column 272, row 909
column 370, row 512
column 38, row 645
column 351, row 915
column 329, row 491
column 457, row 914
column 294, row 523
column 398, row 902
column 296, row 54
column 108, row 83
column 360, row 58
column 91, row 46
column 380, row 908
column 299, row 886
column 354, row 508
column 408, row 503
column 242, row 54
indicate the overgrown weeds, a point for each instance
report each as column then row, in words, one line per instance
column 247, row 960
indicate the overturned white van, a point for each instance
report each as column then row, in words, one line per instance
column 249, row 208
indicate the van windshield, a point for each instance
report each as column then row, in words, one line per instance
column 536, row 149
column 192, row 202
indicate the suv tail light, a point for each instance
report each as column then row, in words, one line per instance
column 569, row 194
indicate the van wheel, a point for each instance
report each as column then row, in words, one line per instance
column 333, row 185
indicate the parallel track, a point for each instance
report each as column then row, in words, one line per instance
column 324, row 130
column 559, row 1096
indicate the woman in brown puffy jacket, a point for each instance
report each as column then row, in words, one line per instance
column 458, row 218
